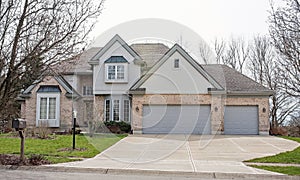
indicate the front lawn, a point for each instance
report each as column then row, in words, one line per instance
column 59, row 149
column 290, row 170
column 290, row 157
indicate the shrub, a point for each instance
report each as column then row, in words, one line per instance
column 36, row 160
column 281, row 131
column 118, row 126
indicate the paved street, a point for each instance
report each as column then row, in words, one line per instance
column 182, row 153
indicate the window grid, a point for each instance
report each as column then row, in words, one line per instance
column 120, row 72
column 87, row 90
column 126, row 110
column 116, row 110
column 107, row 110
column 111, row 72
column 47, row 108
column 116, row 72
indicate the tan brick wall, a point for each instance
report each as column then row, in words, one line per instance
column 29, row 106
column 99, row 108
column 217, row 103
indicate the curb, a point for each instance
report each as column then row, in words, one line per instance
column 208, row 175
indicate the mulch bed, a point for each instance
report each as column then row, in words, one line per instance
column 34, row 160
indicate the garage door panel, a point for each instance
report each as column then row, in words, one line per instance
column 241, row 120
column 176, row 119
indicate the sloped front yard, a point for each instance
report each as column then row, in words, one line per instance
column 58, row 149
column 287, row 162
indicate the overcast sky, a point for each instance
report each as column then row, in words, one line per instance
column 208, row 18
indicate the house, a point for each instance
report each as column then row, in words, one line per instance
column 155, row 88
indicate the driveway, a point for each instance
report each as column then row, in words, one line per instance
column 193, row 153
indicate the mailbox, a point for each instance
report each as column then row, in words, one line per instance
column 19, row 124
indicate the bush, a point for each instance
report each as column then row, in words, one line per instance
column 281, row 131
column 118, row 126
column 37, row 160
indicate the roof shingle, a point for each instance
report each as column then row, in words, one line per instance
column 232, row 80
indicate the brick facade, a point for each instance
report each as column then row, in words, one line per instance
column 28, row 107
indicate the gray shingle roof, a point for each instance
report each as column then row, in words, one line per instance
column 78, row 64
column 232, row 80
column 150, row 52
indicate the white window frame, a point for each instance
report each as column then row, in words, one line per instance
column 126, row 100
column 116, row 80
column 50, row 122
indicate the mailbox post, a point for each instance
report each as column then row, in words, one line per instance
column 20, row 125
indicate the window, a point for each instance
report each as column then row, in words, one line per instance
column 111, row 72
column 126, row 110
column 87, row 90
column 107, row 109
column 176, row 63
column 48, row 110
column 116, row 110
column 120, row 72
column 116, row 72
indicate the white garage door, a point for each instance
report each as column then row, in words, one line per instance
column 175, row 119
column 241, row 120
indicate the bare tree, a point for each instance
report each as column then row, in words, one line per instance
column 234, row 53
column 219, row 47
column 285, row 33
column 35, row 34
column 205, row 52
column 264, row 67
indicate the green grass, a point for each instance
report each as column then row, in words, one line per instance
column 289, row 157
column 290, row 170
column 50, row 148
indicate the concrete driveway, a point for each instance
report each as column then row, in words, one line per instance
column 194, row 153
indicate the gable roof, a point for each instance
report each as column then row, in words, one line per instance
column 71, row 92
column 234, row 82
column 179, row 49
column 116, row 38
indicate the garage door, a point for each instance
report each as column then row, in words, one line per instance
column 174, row 119
column 241, row 120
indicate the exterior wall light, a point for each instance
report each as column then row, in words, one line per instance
column 216, row 109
